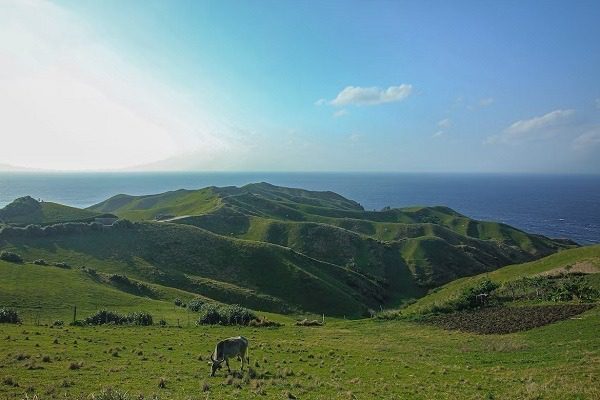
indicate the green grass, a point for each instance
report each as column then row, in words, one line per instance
column 26, row 210
column 588, row 254
column 342, row 360
column 176, row 203
column 267, row 246
column 258, row 275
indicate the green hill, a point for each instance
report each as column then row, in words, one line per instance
column 26, row 210
column 273, row 248
column 258, row 275
column 436, row 243
column 584, row 257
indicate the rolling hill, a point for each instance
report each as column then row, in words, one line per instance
column 26, row 210
column 272, row 248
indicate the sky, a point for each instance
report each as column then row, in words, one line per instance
column 398, row 86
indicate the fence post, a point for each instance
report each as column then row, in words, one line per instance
column 74, row 314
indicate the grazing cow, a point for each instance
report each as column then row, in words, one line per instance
column 226, row 349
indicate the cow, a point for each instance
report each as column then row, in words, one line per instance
column 226, row 349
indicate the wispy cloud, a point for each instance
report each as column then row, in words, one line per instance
column 486, row 102
column 355, row 137
column 443, row 126
column 368, row 96
column 534, row 128
column 445, row 123
column 340, row 113
column 588, row 139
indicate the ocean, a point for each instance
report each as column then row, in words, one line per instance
column 558, row 206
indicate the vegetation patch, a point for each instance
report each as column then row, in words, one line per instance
column 11, row 257
column 9, row 316
column 500, row 320
column 214, row 314
column 111, row 317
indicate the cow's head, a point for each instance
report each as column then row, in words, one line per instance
column 215, row 365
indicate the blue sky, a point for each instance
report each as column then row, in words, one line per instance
column 296, row 85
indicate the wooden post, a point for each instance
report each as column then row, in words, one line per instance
column 74, row 314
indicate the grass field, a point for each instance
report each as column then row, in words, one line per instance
column 365, row 359
column 291, row 252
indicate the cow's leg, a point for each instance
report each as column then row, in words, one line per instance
column 243, row 359
column 227, row 363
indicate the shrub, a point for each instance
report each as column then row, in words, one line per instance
column 234, row 314
column 105, row 317
column 139, row 318
column 178, row 302
column 62, row 265
column 58, row 322
column 209, row 314
column 40, row 262
column 470, row 297
column 195, row 304
column 9, row 316
column 11, row 257
column 111, row 317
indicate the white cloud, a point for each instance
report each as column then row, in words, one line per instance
column 445, row 123
column 340, row 113
column 588, row 139
column 534, row 128
column 363, row 96
column 69, row 101
column 488, row 101
column 321, row 102
column 438, row 134
column 355, row 137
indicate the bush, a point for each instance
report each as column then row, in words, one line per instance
column 479, row 295
column 179, row 303
column 139, row 318
column 9, row 316
column 111, row 317
column 195, row 304
column 58, row 322
column 11, row 257
column 211, row 314
column 40, row 262
column 62, row 265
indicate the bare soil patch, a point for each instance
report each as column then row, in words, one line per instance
column 499, row 320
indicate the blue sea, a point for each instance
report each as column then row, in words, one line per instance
column 565, row 206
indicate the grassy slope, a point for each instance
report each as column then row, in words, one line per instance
column 176, row 203
column 258, row 275
column 403, row 249
column 343, row 360
column 25, row 211
column 589, row 254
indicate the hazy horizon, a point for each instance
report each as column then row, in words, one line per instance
column 399, row 87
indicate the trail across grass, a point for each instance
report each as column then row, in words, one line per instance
column 366, row 359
